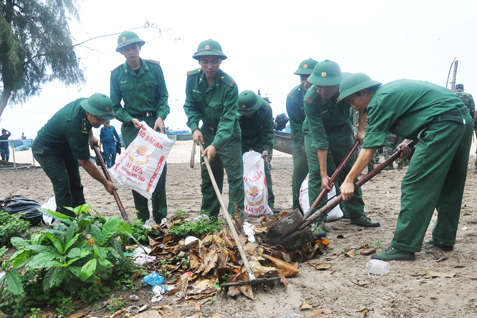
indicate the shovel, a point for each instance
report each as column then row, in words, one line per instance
column 294, row 219
column 248, row 268
column 291, row 231
column 108, row 177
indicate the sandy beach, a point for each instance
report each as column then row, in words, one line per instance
column 346, row 290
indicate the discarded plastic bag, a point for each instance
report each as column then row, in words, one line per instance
column 140, row 166
column 153, row 279
column 50, row 205
column 334, row 214
column 255, row 185
column 19, row 204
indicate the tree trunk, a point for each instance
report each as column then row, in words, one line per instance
column 4, row 99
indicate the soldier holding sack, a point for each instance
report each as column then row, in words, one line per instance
column 141, row 86
column 256, row 123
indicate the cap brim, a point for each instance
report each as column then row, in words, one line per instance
column 118, row 49
column 301, row 71
column 325, row 81
column 86, row 106
column 208, row 53
column 350, row 91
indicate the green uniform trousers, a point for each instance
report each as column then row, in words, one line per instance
column 159, row 202
column 300, row 171
column 230, row 158
column 62, row 168
column 435, row 179
column 340, row 142
column 268, row 175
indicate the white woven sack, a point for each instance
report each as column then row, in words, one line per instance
column 334, row 214
column 141, row 164
column 255, row 185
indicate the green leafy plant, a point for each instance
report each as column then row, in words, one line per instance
column 378, row 245
column 75, row 257
column 197, row 227
column 12, row 225
column 139, row 231
column 115, row 304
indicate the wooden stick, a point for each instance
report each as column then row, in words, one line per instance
column 248, row 268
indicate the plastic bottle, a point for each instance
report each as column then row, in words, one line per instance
column 377, row 268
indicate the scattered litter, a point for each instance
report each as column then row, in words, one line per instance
column 248, row 229
column 2, row 273
column 134, row 297
column 153, row 279
column 464, row 228
column 149, row 223
column 132, row 310
column 200, row 217
column 141, row 256
column 190, row 239
column 377, row 268
column 142, row 308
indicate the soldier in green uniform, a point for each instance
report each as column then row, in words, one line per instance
column 63, row 140
column 392, row 141
column 435, row 117
column 296, row 115
column 466, row 98
column 328, row 138
column 468, row 101
column 256, row 123
column 141, row 86
column 211, row 96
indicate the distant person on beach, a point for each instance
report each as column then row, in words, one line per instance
column 23, row 135
column 108, row 138
column 4, row 150
column 63, row 140
column 211, row 96
column 140, row 85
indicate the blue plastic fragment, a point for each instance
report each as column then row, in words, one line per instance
column 153, row 279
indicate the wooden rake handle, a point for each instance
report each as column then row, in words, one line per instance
column 248, row 268
column 108, row 177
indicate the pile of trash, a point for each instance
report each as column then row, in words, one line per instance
column 196, row 268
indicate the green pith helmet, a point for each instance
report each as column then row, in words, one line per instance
column 248, row 102
column 128, row 37
column 209, row 47
column 355, row 83
column 326, row 73
column 306, row 67
column 99, row 105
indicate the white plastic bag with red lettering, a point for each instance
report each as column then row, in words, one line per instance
column 334, row 214
column 140, row 166
column 255, row 185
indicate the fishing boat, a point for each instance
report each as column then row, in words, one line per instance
column 283, row 141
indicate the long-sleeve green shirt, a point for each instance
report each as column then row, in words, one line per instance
column 406, row 107
column 69, row 127
column 141, row 92
column 322, row 115
column 257, row 130
column 215, row 105
column 296, row 113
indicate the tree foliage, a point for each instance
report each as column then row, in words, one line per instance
column 36, row 46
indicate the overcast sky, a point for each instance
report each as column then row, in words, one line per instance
column 265, row 41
